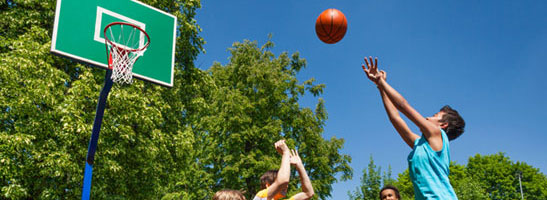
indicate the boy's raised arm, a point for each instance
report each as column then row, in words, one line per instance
column 398, row 123
column 430, row 131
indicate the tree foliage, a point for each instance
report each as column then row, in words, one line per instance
column 498, row 175
column 255, row 103
column 465, row 186
column 212, row 130
column 371, row 182
column 404, row 184
column 47, row 106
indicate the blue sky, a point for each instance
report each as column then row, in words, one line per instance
column 484, row 58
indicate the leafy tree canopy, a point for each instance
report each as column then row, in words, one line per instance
column 214, row 129
column 255, row 103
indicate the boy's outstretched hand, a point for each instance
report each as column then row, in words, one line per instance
column 371, row 69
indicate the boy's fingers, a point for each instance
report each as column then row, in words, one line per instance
column 366, row 62
column 367, row 71
column 375, row 65
column 376, row 62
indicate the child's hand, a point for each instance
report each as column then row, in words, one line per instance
column 371, row 69
column 295, row 159
column 383, row 75
column 281, row 147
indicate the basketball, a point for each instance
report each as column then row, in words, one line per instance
column 331, row 26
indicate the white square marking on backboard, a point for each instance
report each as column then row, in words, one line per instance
column 98, row 20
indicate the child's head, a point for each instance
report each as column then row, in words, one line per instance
column 455, row 123
column 268, row 179
column 389, row 192
column 228, row 195
column 450, row 121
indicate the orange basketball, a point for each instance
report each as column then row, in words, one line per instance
column 331, row 26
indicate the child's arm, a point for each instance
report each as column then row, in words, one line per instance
column 283, row 175
column 307, row 188
column 430, row 130
column 398, row 123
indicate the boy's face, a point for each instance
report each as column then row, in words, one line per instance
column 388, row 194
column 437, row 118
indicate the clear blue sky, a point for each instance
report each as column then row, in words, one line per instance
column 484, row 58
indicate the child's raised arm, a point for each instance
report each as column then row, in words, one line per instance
column 307, row 188
column 283, row 175
column 430, row 130
column 371, row 69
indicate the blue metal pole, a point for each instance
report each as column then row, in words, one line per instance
column 88, row 172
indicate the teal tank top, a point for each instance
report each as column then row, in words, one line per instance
column 429, row 170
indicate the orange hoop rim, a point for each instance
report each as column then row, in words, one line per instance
column 128, row 24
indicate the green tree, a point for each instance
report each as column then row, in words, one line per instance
column 497, row 174
column 255, row 103
column 214, row 129
column 371, row 182
column 534, row 183
column 465, row 186
column 404, row 184
column 28, row 98
column 386, row 177
column 47, row 106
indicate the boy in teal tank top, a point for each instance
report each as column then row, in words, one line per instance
column 429, row 170
column 429, row 160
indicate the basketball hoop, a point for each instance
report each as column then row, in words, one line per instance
column 125, row 43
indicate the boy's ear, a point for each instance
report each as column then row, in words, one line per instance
column 444, row 125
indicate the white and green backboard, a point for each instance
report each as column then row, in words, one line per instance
column 78, row 34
